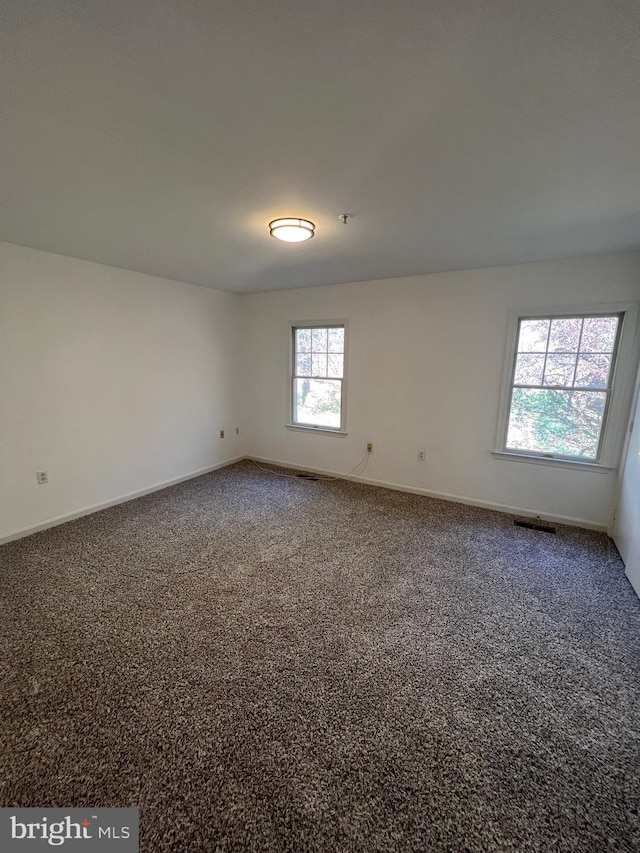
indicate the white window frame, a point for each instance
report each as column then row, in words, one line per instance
column 317, row 324
column 617, row 410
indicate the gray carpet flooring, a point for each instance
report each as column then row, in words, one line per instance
column 269, row 664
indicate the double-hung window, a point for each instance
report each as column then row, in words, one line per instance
column 561, row 384
column 317, row 376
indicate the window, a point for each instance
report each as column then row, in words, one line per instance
column 317, row 384
column 561, row 383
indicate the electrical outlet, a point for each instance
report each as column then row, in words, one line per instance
column 43, row 477
column 237, row 430
column 421, row 455
column 221, row 433
column 369, row 447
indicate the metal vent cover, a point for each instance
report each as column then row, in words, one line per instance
column 531, row 525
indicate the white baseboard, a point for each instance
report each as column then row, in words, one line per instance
column 88, row 510
column 385, row 484
column 445, row 496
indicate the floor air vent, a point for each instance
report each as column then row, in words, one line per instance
column 530, row 525
column 307, row 477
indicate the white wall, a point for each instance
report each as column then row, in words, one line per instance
column 425, row 368
column 116, row 382
column 110, row 380
column 626, row 528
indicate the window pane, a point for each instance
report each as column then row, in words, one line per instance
column 336, row 340
column 335, row 364
column 303, row 364
column 533, row 335
column 319, row 340
column 565, row 423
column 317, row 402
column 593, row 371
column 559, row 369
column 319, row 364
column 565, row 334
column 303, row 340
column 529, row 369
column 599, row 334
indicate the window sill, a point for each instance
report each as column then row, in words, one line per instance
column 323, row 430
column 555, row 463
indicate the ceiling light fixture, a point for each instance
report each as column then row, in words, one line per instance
column 292, row 230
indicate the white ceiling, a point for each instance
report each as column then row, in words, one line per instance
column 163, row 135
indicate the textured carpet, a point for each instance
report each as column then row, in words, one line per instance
column 261, row 663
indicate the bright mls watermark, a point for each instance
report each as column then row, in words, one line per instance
column 70, row 829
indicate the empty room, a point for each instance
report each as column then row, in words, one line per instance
column 319, row 426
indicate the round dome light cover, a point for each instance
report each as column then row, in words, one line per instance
column 292, row 229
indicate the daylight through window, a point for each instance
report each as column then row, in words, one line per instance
column 562, row 376
column 318, row 375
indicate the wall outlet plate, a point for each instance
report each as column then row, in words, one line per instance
column 43, row 477
column 221, row 433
